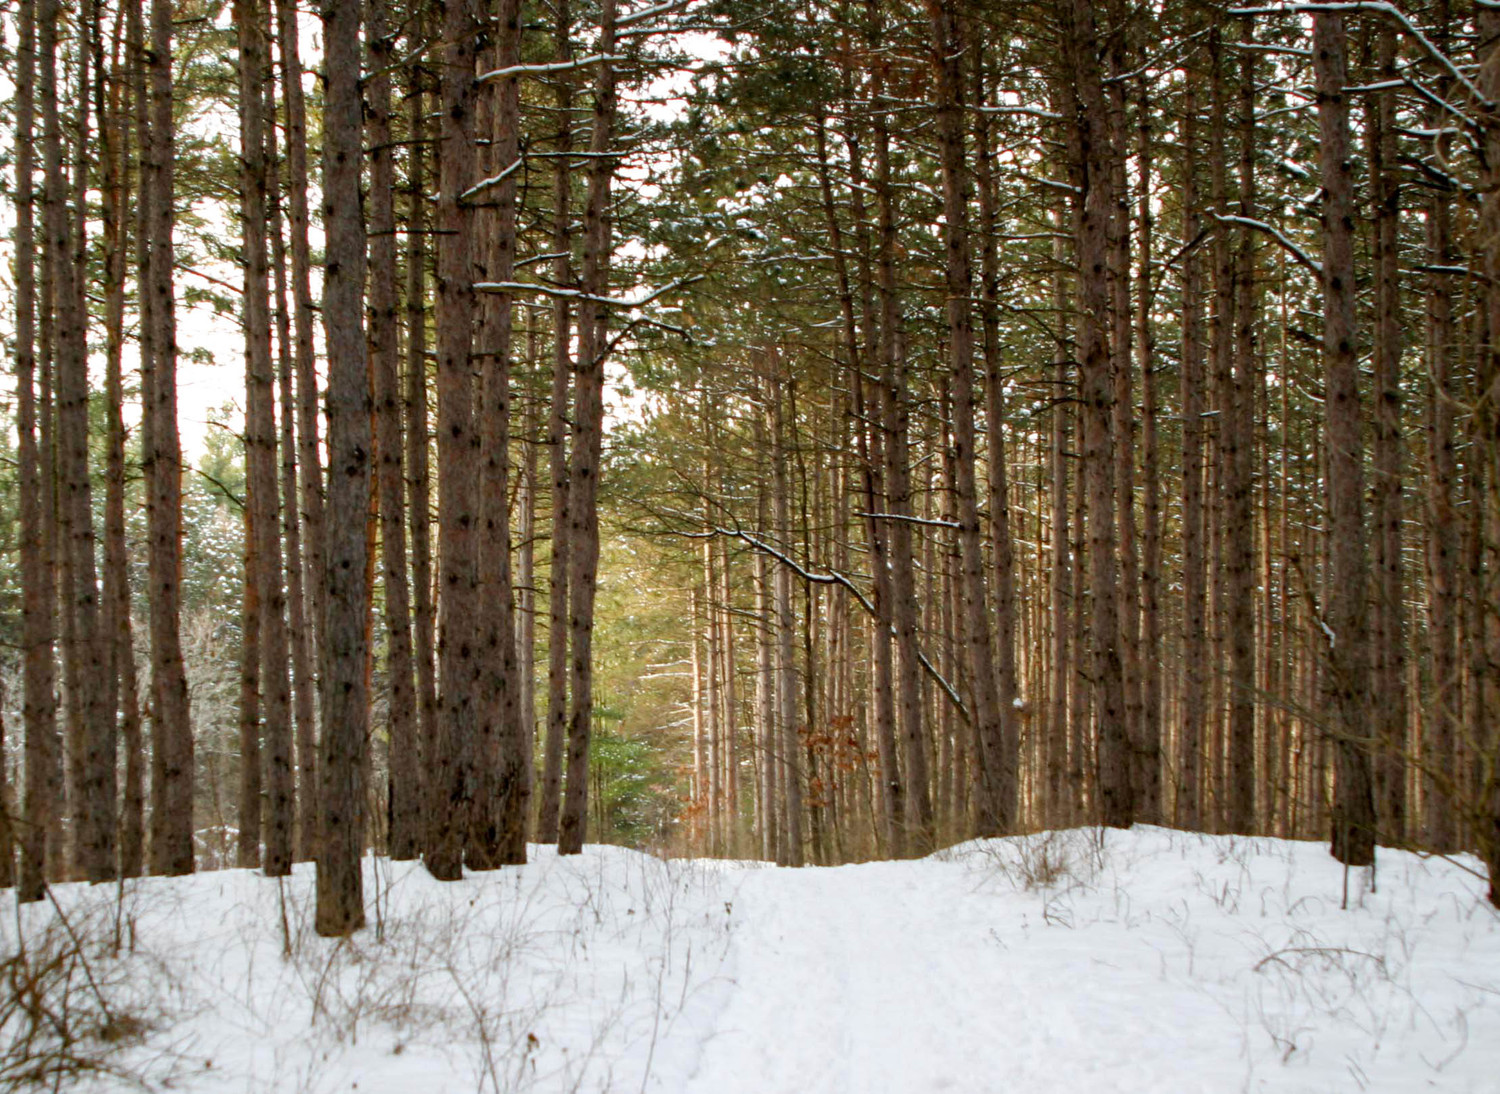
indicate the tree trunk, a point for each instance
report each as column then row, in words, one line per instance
column 448, row 765
column 172, row 738
column 1115, row 806
column 498, row 831
column 557, row 447
column 38, row 593
column 1237, row 442
column 1387, row 506
column 588, row 446
column 341, row 766
column 308, row 449
column 1190, row 730
column 405, row 789
column 994, row 728
column 263, row 523
column 1346, row 682
column 419, row 495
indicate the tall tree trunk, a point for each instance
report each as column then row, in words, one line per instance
column 1148, row 790
column 38, row 592
column 557, row 446
column 172, row 737
column 1057, row 802
column 1387, row 505
column 448, row 765
column 1115, row 805
column 419, row 494
column 1346, row 681
column 405, row 791
column 1237, row 442
column 1191, row 726
column 263, row 522
column 308, row 449
column 251, row 808
column 113, row 109
column 297, row 623
column 85, row 657
column 1002, row 551
column 588, row 445
column 341, row 766
column 994, row 727
column 790, row 759
column 498, row 831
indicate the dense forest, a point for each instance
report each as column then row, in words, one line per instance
column 808, row 431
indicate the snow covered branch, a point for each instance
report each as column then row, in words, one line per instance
column 1275, row 233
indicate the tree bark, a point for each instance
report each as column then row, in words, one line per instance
column 1346, row 681
column 498, row 830
column 993, row 726
column 1115, row 804
column 341, row 766
column 588, row 446
column 405, row 790
column 38, row 592
column 308, row 449
column 448, row 765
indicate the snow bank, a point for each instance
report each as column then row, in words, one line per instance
column 1148, row 960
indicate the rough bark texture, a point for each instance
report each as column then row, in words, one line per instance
column 1346, row 680
column 418, row 488
column 557, row 448
column 38, row 595
column 588, row 446
column 1115, row 805
column 260, row 446
column 497, row 834
column 341, row 766
column 309, row 453
column 450, row 787
column 405, row 790
column 1237, row 440
column 1388, row 636
column 172, row 737
column 1189, row 757
column 993, row 726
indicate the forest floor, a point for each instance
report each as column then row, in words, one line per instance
column 1083, row 961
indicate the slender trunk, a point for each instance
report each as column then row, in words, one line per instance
column 557, row 448
column 419, row 495
column 1237, row 433
column 588, row 445
column 1190, row 730
column 1148, row 789
column 1002, row 550
column 123, row 695
column 1387, row 507
column 405, row 773
column 297, row 624
column 787, row 740
column 1115, row 805
column 994, row 727
column 308, row 449
column 38, row 594
column 498, row 830
column 448, row 766
column 1346, row 682
column 341, row 762
column 263, row 519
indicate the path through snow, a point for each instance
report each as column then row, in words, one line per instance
column 1142, row 961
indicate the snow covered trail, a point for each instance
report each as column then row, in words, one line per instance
column 875, row 978
column 1161, row 962
column 859, row 978
column 1148, row 962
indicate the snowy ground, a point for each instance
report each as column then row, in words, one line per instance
column 1142, row 961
